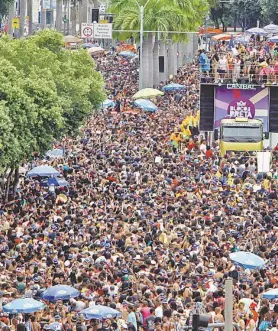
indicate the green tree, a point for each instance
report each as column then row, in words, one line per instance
column 46, row 92
column 4, row 7
column 236, row 13
column 270, row 11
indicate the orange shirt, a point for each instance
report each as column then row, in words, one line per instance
column 209, row 154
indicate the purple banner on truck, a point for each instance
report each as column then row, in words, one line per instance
column 232, row 103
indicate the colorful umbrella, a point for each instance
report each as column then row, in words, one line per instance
column 147, row 93
column 221, row 36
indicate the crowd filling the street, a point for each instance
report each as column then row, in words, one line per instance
column 147, row 225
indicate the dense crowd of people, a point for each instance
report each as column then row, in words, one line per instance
column 147, row 223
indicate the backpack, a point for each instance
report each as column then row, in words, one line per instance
column 264, row 325
column 139, row 318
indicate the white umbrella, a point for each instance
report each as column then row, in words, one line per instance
column 271, row 28
column 273, row 39
column 95, row 50
column 257, row 31
column 270, row 294
column 72, row 39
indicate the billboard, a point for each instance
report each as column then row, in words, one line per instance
column 250, row 103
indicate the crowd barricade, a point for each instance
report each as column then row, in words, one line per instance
column 248, row 73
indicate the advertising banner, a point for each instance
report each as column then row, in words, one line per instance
column 250, row 103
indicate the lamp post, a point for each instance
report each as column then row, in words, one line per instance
column 142, row 9
column 206, row 27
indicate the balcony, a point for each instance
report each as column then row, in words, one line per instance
column 247, row 74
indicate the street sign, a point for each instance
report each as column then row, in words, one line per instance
column 103, row 31
column 241, row 86
column 15, row 23
column 87, row 30
column 103, row 21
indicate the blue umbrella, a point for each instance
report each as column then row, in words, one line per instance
column 57, row 182
column 242, row 39
column 173, row 87
column 127, row 54
column 145, row 105
column 247, row 260
column 57, row 152
column 25, row 305
column 53, row 326
column 89, row 45
column 273, row 39
column 108, row 103
column 257, row 31
column 43, row 171
column 60, row 292
column 270, row 294
column 100, row 312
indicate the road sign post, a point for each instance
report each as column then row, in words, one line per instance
column 87, row 30
column 15, row 23
column 103, row 31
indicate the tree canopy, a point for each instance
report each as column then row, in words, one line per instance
column 270, row 10
column 4, row 7
column 46, row 92
column 243, row 13
column 159, row 15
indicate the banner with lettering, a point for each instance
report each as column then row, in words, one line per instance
column 248, row 103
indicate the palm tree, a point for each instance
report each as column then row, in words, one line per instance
column 159, row 15
column 30, row 15
column 59, row 10
column 22, row 14
column 11, row 15
column 156, row 63
column 73, row 16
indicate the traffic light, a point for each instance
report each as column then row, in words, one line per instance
column 95, row 15
column 199, row 321
column 110, row 19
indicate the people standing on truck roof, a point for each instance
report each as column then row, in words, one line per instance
column 222, row 67
column 204, row 61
